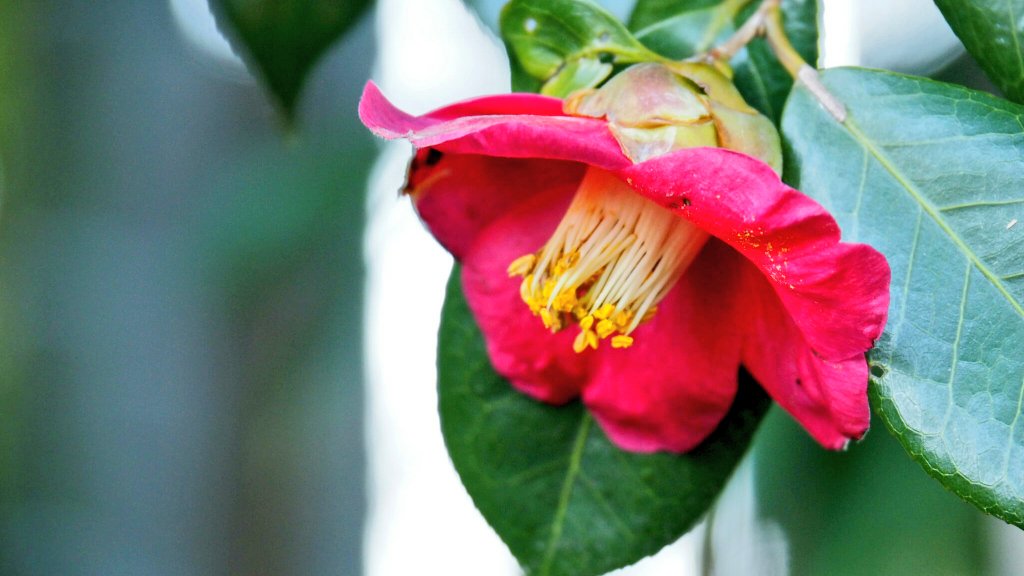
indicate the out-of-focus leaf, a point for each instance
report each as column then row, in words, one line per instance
column 544, row 37
column 865, row 511
column 680, row 29
column 562, row 497
column 281, row 40
column 993, row 32
column 930, row 174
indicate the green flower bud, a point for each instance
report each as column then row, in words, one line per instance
column 653, row 109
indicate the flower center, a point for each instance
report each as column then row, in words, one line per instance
column 613, row 257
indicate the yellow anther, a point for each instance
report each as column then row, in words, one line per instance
column 605, row 328
column 585, row 339
column 522, row 266
column 622, row 341
column 587, row 322
column 604, row 311
column 565, row 302
column 548, row 289
column 622, row 319
column 650, row 313
column 550, row 320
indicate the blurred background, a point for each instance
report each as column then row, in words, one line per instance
column 217, row 336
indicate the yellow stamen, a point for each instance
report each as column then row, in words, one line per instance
column 523, row 265
column 622, row 341
column 608, row 264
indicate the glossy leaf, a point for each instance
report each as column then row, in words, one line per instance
column 680, row 29
column 993, row 32
column 930, row 174
column 547, row 479
column 281, row 40
column 545, row 37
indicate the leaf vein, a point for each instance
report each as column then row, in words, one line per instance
column 558, row 520
column 932, row 211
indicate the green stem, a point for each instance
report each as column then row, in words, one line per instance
column 767, row 22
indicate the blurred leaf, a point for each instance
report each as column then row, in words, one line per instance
column 546, row 36
column 865, row 511
column 680, row 29
column 993, row 32
column 281, row 40
column 562, row 497
column 930, row 174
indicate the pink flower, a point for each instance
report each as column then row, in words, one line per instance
column 642, row 287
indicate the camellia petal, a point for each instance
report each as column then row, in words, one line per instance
column 836, row 293
column 458, row 195
column 670, row 389
column 505, row 132
column 536, row 361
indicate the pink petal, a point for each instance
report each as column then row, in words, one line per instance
column 828, row 398
column 536, row 361
column 458, row 195
column 673, row 386
column 497, row 126
column 836, row 293
column 387, row 121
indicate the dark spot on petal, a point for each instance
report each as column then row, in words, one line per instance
column 679, row 205
column 799, row 383
column 433, row 157
column 877, row 370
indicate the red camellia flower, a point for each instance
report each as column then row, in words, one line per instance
column 607, row 258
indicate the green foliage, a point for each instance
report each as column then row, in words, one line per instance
column 930, row 174
column 993, row 32
column 681, row 29
column 281, row 40
column 868, row 510
column 553, row 41
column 562, row 497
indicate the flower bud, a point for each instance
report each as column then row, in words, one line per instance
column 653, row 109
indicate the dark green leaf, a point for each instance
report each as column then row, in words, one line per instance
column 993, row 32
column 930, row 174
column 281, row 40
column 680, row 29
column 561, row 496
column 546, row 36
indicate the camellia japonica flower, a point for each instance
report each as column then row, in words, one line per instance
column 633, row 246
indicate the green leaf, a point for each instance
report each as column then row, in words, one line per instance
column 547, row 479
column 545, row 37
column 281, row 40
column 993, row 32
column 930, row 174
column 683, row 28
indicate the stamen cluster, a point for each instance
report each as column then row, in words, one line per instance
column 612, row 258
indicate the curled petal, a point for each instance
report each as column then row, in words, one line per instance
column 514, row 126
column 837, row 294
column 827, row 397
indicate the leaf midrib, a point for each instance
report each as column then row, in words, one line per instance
column 558, row 520
column 932, row 211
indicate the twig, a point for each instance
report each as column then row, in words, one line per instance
column 767, row 22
